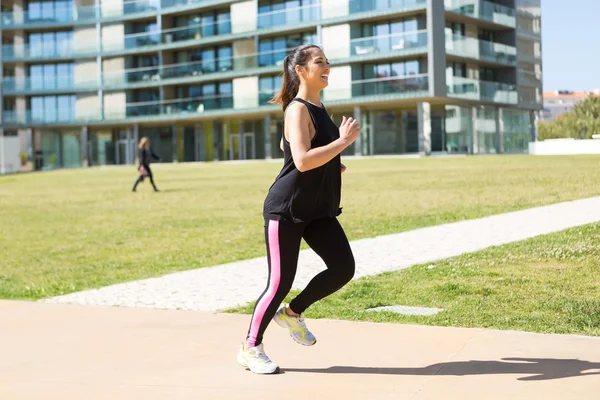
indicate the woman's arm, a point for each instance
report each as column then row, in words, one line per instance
column 154, row 155
column 297, row 122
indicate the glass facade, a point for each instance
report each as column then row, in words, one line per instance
column 101, row 147
column 516, row 131
column 197, row 80
column 459, row 130
column 487, row 130
column 61, row 149
column 394, row 132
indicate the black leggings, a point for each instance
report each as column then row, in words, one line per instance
column 141, row 178
column 327, row 238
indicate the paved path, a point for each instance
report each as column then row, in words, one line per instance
column 224, row 286
column 68, row 352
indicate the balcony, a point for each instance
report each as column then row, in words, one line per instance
column 193, row 70
column 530, row 58
column 289, row 16
column 403, row 43
column 357, row 6
column 39, row 52
column 484, row 10
column 51, row 85
column 473, row 89
column 71, row 14
column 376, row 89
column 529, row 78
column 481, row 50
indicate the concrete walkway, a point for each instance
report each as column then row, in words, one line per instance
column 67, row 352
column 225, row 286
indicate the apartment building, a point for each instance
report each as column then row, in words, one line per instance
column 83, row 80
column 562, row 101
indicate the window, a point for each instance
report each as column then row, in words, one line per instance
column 282, row 12
column 393, row 27
column 200, row 25
column 142, row 34
column 149, row 98
column 205, row 60
column 142, row 68
column 268, row 86
column 144, row 95
column 386, row 70
column 388, row 35
column 50, row 44
column 272, row 51
column 209, row 96
column 53, row 108
column 487, row 74
column 51, row 76
column 456, row 29
column 50, row 10
column 458, row 69
column 389, row 78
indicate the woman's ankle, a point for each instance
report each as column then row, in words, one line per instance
column 290, row 312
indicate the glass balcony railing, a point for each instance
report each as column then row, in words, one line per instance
column 481, row 50
column 45, row 84
column 64, row 14
column 397, row 42
column 128, row 42
column 70, row 13
column 180, row 106
column 39, row 51
column 413, row 86
column 406, row 86
column 196, row 31
column 485, row 10
column 193, row 69
column 474, row 89
column 530, row 78
column 112, row 79
column 289, row 16
column 357, row 6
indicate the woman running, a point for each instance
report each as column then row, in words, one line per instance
column 303, row 202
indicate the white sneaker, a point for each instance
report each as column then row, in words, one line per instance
column 296, row 326
column 256, row 360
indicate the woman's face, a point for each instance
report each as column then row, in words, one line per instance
column 315, row 74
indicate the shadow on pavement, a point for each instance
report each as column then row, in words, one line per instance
column 538, row 369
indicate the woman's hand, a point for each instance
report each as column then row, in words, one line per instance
column 343, row 168
column 349, row 130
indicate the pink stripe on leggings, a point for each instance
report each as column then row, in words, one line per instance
column 275, row 275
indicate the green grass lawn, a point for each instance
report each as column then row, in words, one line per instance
column 72, row 230
column 549, row 283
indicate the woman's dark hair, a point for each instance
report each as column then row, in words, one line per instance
column 291, row 81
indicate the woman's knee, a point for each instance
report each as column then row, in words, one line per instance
column 346, row 270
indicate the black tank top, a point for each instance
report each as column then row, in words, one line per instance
column 303, row 196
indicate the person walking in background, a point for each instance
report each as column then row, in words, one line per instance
column 303, row 202
column 145, row 155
